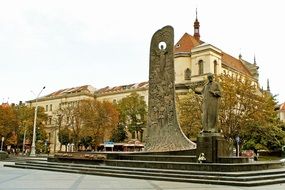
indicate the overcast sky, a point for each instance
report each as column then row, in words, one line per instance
column 67, row 43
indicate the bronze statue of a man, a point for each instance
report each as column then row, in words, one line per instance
column 211, row 94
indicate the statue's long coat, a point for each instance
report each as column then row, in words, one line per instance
column 211, row 95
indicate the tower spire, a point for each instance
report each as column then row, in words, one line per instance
column 254, row 60
column 268, row 87
column 197, row 28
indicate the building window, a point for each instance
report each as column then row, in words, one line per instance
column 187, row 74
column 200, row 67
column 46, row 107
column 215, row 67
column 50, row 107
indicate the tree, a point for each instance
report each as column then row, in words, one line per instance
column 267, row 133
column 86, row 141
column 25, row 117
column 98, row 120
column 238, row 106
column 249, row 113
column 8, row 125
column 119, row 134
column 133, row 113
column 69, row 117
column 245, row 111
column 189, row 112
column 64, row 137
column 15, row 120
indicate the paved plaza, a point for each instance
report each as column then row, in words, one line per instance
column 12, row 178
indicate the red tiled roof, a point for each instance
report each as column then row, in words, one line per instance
column 185, row 44
column 234, row 63
column 188, row 42
column 5, row 105
column 108, row 89
column 84, row 88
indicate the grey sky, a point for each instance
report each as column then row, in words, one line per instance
column 68, row 43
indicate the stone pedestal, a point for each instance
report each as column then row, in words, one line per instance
column 213, row 145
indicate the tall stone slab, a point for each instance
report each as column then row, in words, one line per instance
column 163, row 131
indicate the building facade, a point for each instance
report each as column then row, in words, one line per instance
column 54, row 102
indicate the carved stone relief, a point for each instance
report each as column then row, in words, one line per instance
column 163, row 131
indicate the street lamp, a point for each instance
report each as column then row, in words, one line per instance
column 24, row 140
column 33, row 150
column 2, row 141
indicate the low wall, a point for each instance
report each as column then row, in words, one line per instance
column 218, row 167
column 3, row 155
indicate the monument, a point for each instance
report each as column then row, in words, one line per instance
column 210, row 143
column 163, row 132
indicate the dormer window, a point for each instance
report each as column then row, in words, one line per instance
column 177, row 45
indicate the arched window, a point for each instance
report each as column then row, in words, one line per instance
column 200, row 67
column 215, row 67
column 187, row 74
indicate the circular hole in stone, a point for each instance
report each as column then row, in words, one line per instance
column 162, row 45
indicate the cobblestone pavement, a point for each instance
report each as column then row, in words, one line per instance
column 12, row 178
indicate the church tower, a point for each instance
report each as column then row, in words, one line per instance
column 197, row 28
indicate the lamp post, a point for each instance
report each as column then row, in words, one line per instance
column 2, row 141
column 33, row 150
column 238, row 141
column 24, row 140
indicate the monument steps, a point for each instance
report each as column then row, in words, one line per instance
column 252, row 178
column 166, row 158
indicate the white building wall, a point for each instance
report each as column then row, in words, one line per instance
column 180, row 65
column 282, row 115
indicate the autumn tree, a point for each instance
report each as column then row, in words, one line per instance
column 8, row 124
column 17, row 120
column 68, row 118
column 249, row 113
column 239, row 103
column 98, row 120
column 25, row 119
column 245, row 111
column 133, row 113
column 25, row 115
column 189, row 112
column 266, row 133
